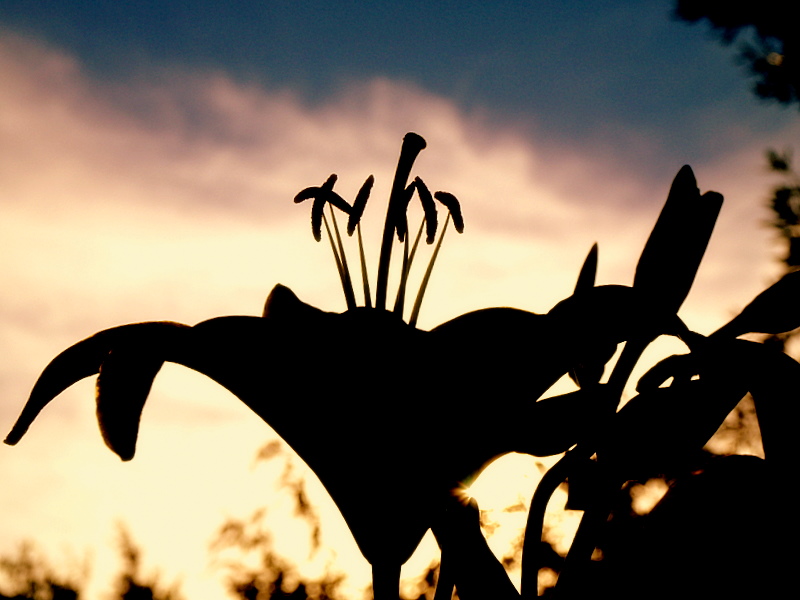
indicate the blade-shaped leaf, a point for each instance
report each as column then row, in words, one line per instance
column 658, row 429
column 553, row 425
column 775, row 310
column 773, row 382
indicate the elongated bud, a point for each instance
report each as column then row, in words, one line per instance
column 588, row 274
column 672, row 254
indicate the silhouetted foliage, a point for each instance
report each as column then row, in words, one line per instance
column 130, row 583
column 269, row 576
column 767, row 36
column 785, row 205
column 29, row 575
column 371, row 437
column 243, row 547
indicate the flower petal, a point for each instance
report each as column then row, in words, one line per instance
column 123, row 385
column 83, row 360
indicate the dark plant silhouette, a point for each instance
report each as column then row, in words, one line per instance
column 785, row 205
column 767, row 41
column 28, row 575
column 130, row 583
column 364, row 445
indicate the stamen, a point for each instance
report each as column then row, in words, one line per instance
column 429, row 207
column 408, row 259
column 335, row 252
column 396, row 220
column 354, row 223
column 359, row 204
column 451, row 202
column 399, row 302
column 364, row 277
column 321, row 195
column 412, row 320
column 347, row 282
column 401, row 225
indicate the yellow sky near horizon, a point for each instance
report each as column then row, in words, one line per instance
column 116, row 207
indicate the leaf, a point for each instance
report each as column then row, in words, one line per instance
column 660, row 428
column 553, row 425
column 775, row 310
column 773, row 381
column 681, row 367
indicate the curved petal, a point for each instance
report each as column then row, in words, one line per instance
column 123, row 385
column 83, row 360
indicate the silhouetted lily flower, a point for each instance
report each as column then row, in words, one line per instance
column 397, row 427
column 362, row 467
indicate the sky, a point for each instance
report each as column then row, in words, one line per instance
column 148, row 160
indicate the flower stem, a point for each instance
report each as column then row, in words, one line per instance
column 364, row 277
column 418, row 302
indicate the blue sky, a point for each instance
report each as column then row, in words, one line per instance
column 149, row 153
column 579, row 70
